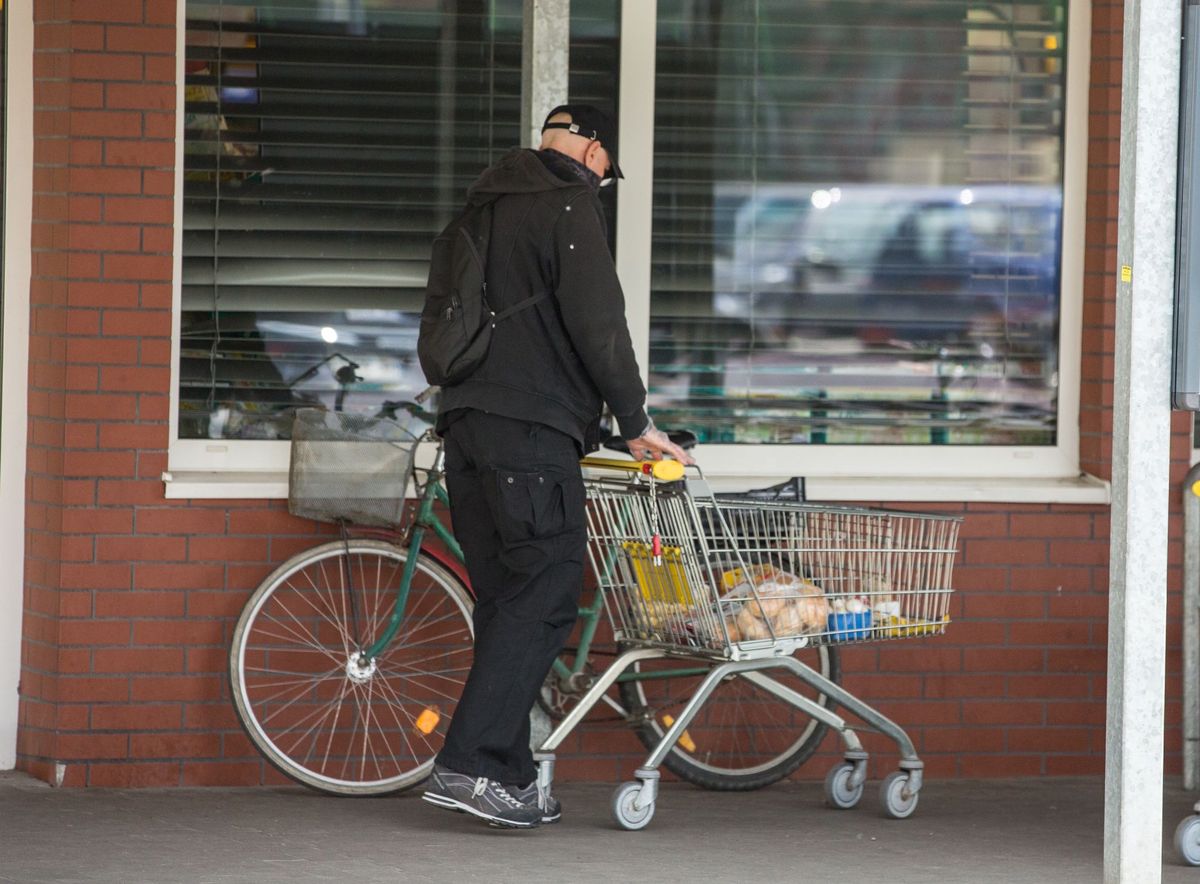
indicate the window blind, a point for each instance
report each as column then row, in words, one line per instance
column 326, row 143
column 857, row 221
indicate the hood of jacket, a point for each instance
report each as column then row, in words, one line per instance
column 518, row 171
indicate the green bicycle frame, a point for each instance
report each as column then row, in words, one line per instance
column 426, row 519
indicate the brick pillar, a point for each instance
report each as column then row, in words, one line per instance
column 1100, row 255
column 99, row 385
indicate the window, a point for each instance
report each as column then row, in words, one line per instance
column 865, row 232
column 858, row 222
column 325, row 144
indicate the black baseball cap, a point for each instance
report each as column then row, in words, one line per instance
column 592, row 123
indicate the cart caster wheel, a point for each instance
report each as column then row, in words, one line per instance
column 892, row 797
column 625, row 810
column 1187, row 840
column 838, row 791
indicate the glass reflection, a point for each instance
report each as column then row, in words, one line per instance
column 858, row 222
column 326, row 142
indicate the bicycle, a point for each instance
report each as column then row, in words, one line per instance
column 348, row 659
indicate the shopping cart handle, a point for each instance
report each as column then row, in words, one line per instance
column 663, row 470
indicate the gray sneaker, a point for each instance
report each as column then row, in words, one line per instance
column 551, row 813
column 481, row 797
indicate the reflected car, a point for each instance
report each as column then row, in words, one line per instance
column 907, row 261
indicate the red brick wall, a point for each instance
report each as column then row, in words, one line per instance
column 130, row 598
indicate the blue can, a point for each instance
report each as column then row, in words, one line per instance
column 849, row 627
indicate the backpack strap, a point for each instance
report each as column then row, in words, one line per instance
column 518, row 307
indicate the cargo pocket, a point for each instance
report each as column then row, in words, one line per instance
column 529, row 505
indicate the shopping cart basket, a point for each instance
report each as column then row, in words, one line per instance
column 744, row 583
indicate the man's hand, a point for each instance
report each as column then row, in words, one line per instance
column 654, row 444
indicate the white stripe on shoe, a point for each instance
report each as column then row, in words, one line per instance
column 462, row 807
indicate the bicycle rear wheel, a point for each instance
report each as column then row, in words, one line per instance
column 742, row 738
column 318, row 712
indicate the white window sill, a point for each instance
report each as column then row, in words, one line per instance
column 231, row 484
column 1081, row 489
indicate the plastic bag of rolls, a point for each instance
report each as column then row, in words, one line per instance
column 771, row 604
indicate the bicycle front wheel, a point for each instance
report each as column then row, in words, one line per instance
column 308, row 699
column 743, row 737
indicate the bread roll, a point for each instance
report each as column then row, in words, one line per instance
column 750, row 625
column 731, row 626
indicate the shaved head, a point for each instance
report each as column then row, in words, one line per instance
column 583, row 150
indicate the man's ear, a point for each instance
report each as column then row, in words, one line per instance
column 593, row 149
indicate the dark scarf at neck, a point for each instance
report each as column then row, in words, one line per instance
column 567, row 168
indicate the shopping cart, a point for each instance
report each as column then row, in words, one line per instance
column 742, row 584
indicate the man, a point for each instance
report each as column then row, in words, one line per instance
column 515, row 430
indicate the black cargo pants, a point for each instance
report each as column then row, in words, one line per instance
column 517, row 504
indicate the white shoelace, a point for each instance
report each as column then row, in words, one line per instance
column 481, row 785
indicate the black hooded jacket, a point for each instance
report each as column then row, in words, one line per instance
column 556, row 362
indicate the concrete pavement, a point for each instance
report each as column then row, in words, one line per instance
column 1046, row 830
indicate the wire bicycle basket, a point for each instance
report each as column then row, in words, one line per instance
column 349, row 468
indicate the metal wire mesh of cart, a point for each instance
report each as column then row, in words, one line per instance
column 736, row 576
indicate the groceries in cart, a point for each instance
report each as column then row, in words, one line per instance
column 763, row 603
column 767, row 602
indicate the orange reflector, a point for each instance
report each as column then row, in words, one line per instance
column 428, row 720
column 685, row 739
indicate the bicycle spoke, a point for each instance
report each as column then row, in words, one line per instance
column 353, row 729
column 305, row 637
column 389, row 660
column 434, row 673
column 362, row 705
column 416, row 627
column 287, row 638
column 413, row 670
column 431, row 639
column 401, row 728
column 301, row 721
column 273, row 670
column 362, row 708
column 281, row 709
column 274, row 684
column 451, row 697
column 386, row 743
column 404, row 731
column 343, row 613
column 378, row 618
column 316, row 736
column 308, row 683
column 336, row 709
column 330, row 616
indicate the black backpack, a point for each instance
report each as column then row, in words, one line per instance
column 457, row 320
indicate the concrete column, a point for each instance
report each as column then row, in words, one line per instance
column 1141, row 442
column 1191, row 629
column 545, row 63
column 545, row 70
column 635, row 199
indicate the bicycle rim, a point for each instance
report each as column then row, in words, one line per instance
column 315, row 709
column 742, row 737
